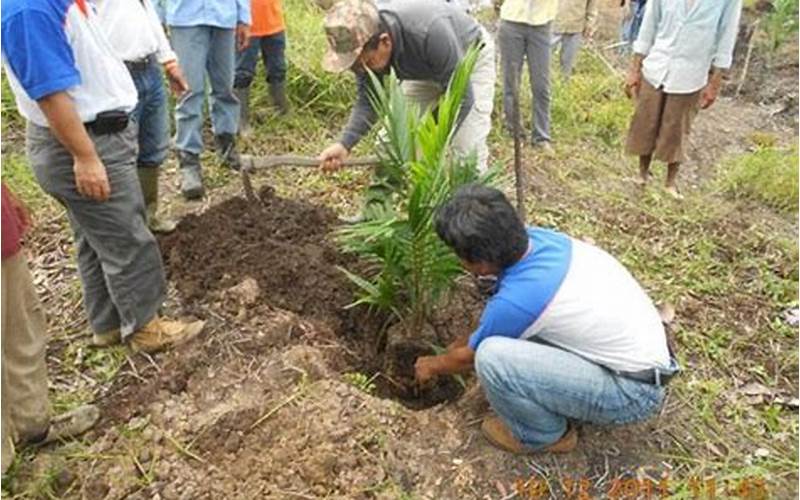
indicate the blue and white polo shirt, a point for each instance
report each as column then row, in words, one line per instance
column 51, row 46
column 579, row 298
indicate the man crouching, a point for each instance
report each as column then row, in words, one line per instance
column 569, row 334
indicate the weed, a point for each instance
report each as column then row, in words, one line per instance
column 361, row 381
column 781, row 23
column 768, row 174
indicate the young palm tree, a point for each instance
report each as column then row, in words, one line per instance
column 410, row 267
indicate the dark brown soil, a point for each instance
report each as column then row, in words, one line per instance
column 280, row 255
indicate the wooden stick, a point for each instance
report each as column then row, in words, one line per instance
column 746, row 66
column 518, row 175
column 254, row 162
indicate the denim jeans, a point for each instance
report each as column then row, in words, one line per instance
column 205, row 50
column 150, row 114
column 536, row 387
column 570, row 46
column 272, row 49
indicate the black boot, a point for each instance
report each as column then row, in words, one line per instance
column 191, row 175
column 278, row 93
column 226, row 151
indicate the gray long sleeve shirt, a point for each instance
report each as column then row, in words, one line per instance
column 429, row 39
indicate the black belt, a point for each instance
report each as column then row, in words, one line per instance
column 141, row 64
column 108, row 122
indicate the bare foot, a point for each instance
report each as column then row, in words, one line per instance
column 673, row 191
column 642, row 180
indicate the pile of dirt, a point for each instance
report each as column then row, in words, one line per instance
column 282, row 244
column 248, row 260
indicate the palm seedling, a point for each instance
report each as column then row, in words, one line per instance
column 409, row 268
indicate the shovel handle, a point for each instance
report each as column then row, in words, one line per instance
column 255, row 162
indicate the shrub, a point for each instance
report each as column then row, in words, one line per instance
column 768, row 174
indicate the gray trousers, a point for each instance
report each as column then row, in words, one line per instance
column 570, row 46
column 517, row 42
column 118, row 258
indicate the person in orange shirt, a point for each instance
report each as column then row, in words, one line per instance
column 268, row 36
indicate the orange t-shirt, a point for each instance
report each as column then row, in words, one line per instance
column 267, row 17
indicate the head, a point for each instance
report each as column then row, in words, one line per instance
column 482, row 228
column 357, row 38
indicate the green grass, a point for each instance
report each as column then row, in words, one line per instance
column 769, row 175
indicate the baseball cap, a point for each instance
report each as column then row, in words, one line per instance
column 349, row 24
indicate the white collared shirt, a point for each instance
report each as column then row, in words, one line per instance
column 681, row 40
column 134, row 29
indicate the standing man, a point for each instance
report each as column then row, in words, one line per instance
column 679, row 58
column 26, row 415
column 568, row 335
column 525, row 34
column 423, row 42
column 575, row 21
column 135, row 32
column 267, row 37
column 206, row 35
column 77, row 96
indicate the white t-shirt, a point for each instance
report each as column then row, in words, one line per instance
column 51, row 47
column 601, row 313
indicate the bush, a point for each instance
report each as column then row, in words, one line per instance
column 768, row 174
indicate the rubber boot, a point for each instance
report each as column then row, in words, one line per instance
column 191, row 175
column 226, row 151
column 277, row 92
column 243, row 94
column 148, row 178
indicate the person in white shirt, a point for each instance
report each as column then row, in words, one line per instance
column 134, row 31
column 682, row 50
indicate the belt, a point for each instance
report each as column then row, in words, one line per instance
column 653, row 376
column 108, row 122
column 141, row 64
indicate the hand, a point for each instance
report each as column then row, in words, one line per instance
column 709, row 95
column 633, row 83
column 588, row 33
column 331, row 158
column 242, row 36
column 91, row 179
column 425, row 369
column 177, row 82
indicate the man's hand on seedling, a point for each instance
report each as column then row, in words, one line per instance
column 425, row 369
column 332, row 157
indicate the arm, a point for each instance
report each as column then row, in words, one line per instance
column 726, row 34
column 634, row 79
column 243, row 21
column 66, row 125
column 455, row 360
column 591, row 18
column 723, row 55
column 165, row 54
column 649, row 28
column 362, row 116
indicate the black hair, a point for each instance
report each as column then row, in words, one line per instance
column 375, row 39
column 480, row 225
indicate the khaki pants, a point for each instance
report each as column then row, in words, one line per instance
column 473, row 133
column 25, row 408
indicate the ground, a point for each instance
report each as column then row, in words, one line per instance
column 289, row 394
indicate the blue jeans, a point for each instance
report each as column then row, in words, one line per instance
column 205, row 50
column 535, row 388
column 629, row 30
column 272, row 48
column 151, row 116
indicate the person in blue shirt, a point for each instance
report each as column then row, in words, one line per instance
column 569, row 334
column 206, row 35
